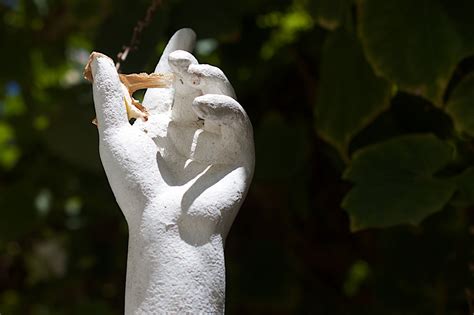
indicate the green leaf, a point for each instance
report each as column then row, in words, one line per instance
column 461, row 106
column 350, row 95
column 328, row 13
column 395, row 182
column 413, row 43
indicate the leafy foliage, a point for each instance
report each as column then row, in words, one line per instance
column 363, row 119
column 412, row 43
column 351, row 95
column 395, row 181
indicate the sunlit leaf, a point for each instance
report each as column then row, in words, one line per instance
column 287, row 27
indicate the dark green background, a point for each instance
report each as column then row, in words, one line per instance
column 363, row 113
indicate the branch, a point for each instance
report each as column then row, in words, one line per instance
column 137, row 32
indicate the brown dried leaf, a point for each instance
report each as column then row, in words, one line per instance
column 139, row 81
column 133, row 82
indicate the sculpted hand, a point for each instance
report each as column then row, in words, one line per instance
column 179, row 177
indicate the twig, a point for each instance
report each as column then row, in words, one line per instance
column 137, row 32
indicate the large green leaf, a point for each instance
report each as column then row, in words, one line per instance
column 328, row 13
column 416, row 44
column 350, row 94
column 461, row 106
column 395, row 182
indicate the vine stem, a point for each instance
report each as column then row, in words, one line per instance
column 137, row 32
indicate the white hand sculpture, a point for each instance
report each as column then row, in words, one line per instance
column 180, row 178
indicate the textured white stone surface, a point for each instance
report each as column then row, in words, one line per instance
column 179, row 178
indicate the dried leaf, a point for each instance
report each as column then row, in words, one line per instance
column 139, row 81
column 130, row 84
